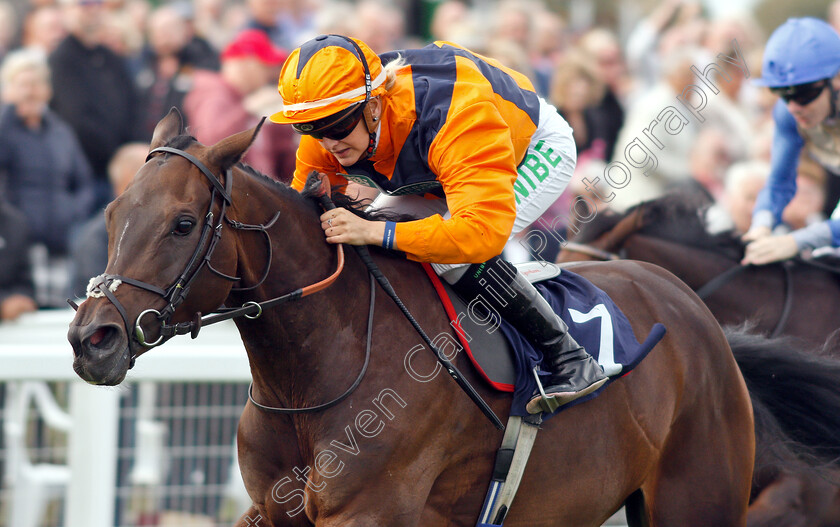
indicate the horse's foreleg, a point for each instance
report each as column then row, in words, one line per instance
column 252, row 518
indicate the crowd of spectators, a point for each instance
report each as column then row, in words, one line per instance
column 85, row 81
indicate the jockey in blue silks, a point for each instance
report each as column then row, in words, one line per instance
column 801, row 65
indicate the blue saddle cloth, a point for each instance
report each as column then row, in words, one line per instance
column 595, row 321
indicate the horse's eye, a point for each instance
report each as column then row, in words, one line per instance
column 183, row 227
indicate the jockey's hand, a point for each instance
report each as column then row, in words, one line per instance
column 342, row 226
column 756, row 233
column 770, row 249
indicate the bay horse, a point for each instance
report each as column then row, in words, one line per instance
column 673, row 439
column 794, row 298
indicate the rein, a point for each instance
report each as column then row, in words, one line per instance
column 588, row 250
column 351, row 389
column 717, row 282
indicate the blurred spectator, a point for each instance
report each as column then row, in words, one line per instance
column 741, row 27
column 8, row 27
column 450, row 20
column 834, row 15
column 168, row 62
column 547, row 46
column 514, row 21
column 226, row 102
column 43, row 29
column 89, row 250
column 673, row 156
column 743, row 183
column 709, row 160
column 725, row 112
column 607, row 116
column 16, row 290
column 297, row 20
column 671, row 24
column 574, row 89
column 335, row 18
column 380, row 24
column 198, row 52
column 47, row 175
column 121, row 34
column 761, row 142
column 264, row 15
column 209, row 22
column 92, row 90
column 806, row 207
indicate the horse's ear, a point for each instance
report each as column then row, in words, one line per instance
column 229, row 150
column 170, row 126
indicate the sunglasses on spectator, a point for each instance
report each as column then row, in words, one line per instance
column 335, row 127
column 801, row 94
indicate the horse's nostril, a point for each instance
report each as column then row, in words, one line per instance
column 103, row 338
column 97, row 337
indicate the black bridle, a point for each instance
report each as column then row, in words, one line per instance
column 175, row 294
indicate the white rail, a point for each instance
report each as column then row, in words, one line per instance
column 35, row 348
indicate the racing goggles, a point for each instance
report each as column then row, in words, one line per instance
column 801, row 94
column 335, row 127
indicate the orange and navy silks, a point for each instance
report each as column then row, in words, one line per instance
column 456, row 124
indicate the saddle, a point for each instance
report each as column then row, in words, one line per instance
column 505, row 359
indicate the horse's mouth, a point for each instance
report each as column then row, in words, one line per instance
column 103, row 373
column 102, row 357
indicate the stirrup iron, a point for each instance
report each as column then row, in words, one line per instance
column 547, row 404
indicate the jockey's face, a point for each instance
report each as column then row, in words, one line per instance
column 813, row 113
column 351, row 149
column 810, row 114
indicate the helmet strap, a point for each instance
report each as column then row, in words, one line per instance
column 372, row 124
column 371, row 121
column 834, row 94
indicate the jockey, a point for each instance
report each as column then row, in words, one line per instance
column 801, row 64
column 457, row 140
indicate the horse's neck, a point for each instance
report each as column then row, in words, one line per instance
column 300, row 255
column 286, row 345
column 693, row 265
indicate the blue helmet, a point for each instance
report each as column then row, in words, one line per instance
column 800, row 51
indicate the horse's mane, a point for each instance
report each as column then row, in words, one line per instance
column 678, row 217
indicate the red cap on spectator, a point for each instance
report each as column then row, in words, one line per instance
column 254, row 43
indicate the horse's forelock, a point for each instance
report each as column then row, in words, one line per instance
column 181, row 142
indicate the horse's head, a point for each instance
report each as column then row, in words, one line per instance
column 167, row 259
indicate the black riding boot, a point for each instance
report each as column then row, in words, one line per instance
column 573, row 372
